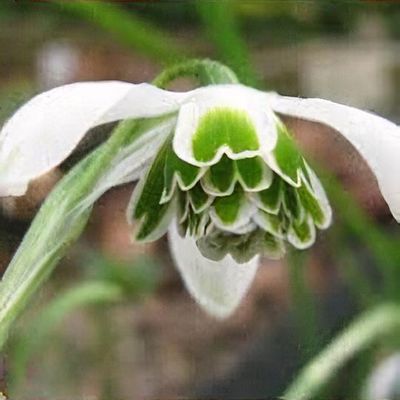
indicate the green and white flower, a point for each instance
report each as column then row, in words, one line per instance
column 217, row 169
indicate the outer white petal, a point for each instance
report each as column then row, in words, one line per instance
column 217, row 286
column 254, row 102
column 132, row 161
column 375, row 138
column 43, row 132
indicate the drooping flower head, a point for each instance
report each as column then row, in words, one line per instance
column 217, row 169
column 231, row 177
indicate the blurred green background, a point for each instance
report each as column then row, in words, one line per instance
column 115, row 321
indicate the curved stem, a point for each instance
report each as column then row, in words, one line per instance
column 207, row 72
column 358, row 336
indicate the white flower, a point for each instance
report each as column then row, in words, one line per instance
column 218, row 168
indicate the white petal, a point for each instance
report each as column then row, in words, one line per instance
column 255, row 103
column 375, row 138
column 132, row 161
column 319, row 191
column 217, row 286
column 43, row 132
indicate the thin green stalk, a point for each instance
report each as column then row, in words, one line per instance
column 303, row 303
column 128, row 29
column 39, row 331
column 222, row 28
column 363, row 332
column 207, row 72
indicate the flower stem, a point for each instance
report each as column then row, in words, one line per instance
column 304, row 307
column 367, row 328
column 206, row 72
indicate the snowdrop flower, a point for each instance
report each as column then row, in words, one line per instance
column 218, row 170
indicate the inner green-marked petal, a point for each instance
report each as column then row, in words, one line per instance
column 292, row 203
column 311, row 204
column 199, row 198
column 223, row 127
column 174, row 165
column 148, row 200
column 287, row 157
column 221, row 175
column 269, row 222
column 251, row 170
column 228, row 208
column 271, row 198
column 147, row 206
column 303, row 233
column 273, row 246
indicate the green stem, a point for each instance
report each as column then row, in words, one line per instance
column 364, row 331
column 206, row 72
column 40, row 329
column 303, row 304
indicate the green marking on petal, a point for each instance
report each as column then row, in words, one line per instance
column 199, row 199
column 287, row 156
column 273, row 246
column 312, row 205
column 147, row 197
column 183, row 206
column 292, row 203
column 187, row 173
column 242, row 248
column 196, row 224
column 223, row 127
column 269, row 222
column 251, row 171
column 302, row 235
column 271, row 198
column 228, row 208
column 221, row 176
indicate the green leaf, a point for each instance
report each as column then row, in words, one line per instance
column 224, row 127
